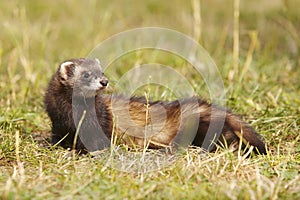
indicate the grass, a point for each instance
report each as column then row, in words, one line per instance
column 264, row 86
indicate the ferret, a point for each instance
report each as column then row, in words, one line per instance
column 85, row 118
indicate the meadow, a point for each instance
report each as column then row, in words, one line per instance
column 258, row 57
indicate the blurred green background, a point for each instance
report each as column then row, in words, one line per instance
column 61, row 29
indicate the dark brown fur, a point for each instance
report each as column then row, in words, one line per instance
column 168, row 122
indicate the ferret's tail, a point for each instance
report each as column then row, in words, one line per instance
column 246, row 133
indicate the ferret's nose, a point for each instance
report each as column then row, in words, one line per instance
column 104, row 82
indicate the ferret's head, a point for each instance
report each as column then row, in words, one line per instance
column 83, row 75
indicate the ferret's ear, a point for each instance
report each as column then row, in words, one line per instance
column 98, row 61
column 66, row 69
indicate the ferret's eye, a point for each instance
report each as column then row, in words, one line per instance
column 86, row 75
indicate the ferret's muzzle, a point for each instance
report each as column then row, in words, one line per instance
column 103, row 83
